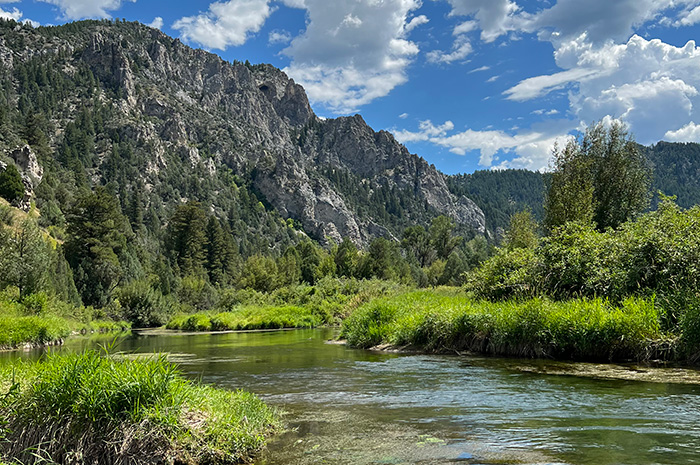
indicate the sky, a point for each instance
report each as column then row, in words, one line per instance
column 466, row 84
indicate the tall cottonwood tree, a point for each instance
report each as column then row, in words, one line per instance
column 601, row 177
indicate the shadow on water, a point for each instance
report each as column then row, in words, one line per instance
column 347, row 406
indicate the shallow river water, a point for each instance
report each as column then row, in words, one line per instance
column 346, row 406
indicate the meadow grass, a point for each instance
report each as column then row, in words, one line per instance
column 577, row 329
column 95, row 408
column 40, row 320
column 249, row 317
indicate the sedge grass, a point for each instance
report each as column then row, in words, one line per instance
column 577, row 329
column 92, row 408
column 248, row 318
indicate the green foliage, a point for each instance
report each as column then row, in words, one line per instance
column 577, row 329
column 602, row 177
column 96, row 245
column 260, row 273
column 143, row 306
column 24, row 258
column 86, row 402
column 522, row 232
column 248, row 318
column 11, row 186
column 502, row 193
column 186, row 237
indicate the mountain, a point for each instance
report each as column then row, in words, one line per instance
column 123, row 105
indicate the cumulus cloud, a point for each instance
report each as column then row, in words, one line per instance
column 493, row 17
column 688, row 133
column 415, row 22
column 225, row 24
column 156, row 23
column 533, row 147
column 79, row 9
column 352, row 51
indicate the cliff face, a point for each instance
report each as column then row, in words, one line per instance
column 189, row 110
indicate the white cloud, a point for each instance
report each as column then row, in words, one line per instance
column 352, row 51
column 13, row 14
column 494, row 17
column 225, row 23
column 482, row 68
column 279, row 37
column 415, row 22
column 79, row 9
column 460, row 50
column 691, row 17
column 426, row 131
column 636, row 81
column 156, row 23
column 403, row 115
column 493, row 78
column 538, row 86
column 533, row 147
column 688, row 133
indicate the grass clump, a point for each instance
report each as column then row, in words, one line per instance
column 92, row 408
column 249, row 318
column 578, row 329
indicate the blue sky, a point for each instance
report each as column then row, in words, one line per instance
column 467, row 84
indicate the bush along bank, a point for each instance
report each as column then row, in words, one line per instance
column 581, row 329
column 93, row 408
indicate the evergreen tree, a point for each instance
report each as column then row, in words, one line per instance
column 186, row 237
column 11, row 186
column 24, row 258
column 97, row 238
column 310, row 259
column 346, row 258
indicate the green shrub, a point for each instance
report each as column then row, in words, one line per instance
column 143, row 306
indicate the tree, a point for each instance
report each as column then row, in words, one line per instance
column 11, row 186
column 441, row 236
column 418, row 246
column 346, row 258
column 24, row 258
column 310, row 260
column 186, row 237
column 602, row 177
column 522, row 233
column 97, row 238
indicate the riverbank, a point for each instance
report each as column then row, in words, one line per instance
column 40, row 320
column 249, row 318
column 116, row 410
column 591, row 330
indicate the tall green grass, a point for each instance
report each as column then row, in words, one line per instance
column 92, row 408
column 249, row 317
column 577, row 329
column 40, row 319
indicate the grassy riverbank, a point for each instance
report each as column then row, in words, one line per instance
column 249, row 317
column 328, row 302
column 95, row 408
column 577, row 329
column 42, row 320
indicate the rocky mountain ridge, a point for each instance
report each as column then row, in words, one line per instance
column 184, row 113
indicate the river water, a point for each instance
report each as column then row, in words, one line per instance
column 345, row 406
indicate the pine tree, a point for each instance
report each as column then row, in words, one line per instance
column 11, row 186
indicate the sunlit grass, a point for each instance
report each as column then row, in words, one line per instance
column 248, row 318
column 117, row 410
column 576, row 329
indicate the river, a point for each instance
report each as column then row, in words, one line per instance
column 346, row 406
